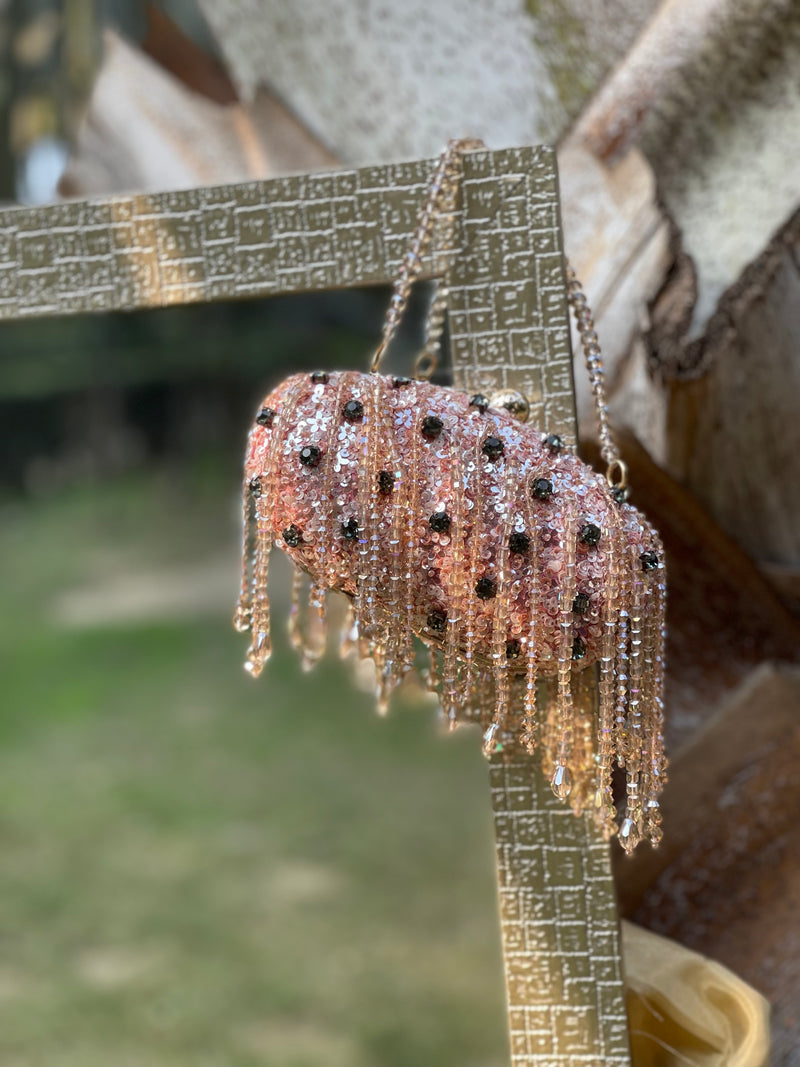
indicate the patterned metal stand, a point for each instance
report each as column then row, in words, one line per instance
column 558, row 914
column 509, row 328
column 559, row 926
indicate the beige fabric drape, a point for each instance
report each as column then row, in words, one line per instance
column 685, row 1009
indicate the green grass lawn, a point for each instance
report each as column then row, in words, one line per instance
column 198, row 869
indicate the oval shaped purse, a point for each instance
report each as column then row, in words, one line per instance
column 445, row 520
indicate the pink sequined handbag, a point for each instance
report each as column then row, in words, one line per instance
column 446, row 520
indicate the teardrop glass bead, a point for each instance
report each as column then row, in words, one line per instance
column 629, row 835
column 561, row 782
column 490, row 740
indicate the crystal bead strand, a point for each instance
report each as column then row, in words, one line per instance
column 348, row 635
column 367, row 492
column 562, row 778
column 377, row 617
column 265, row 494
column 261, row 646
column 550, row 723
column 303, row 625
column 312, row 624
column 583, row 758
column 655, row 762
column 658, row 761
column 533, row 638
column 411, row 538
column 243, row 615
column 604, row 799
column 621, row 670
column 630, row 830
column 452, row 688
column 406, row 526
column 329, row 475
column 648, row 711
column 500, row 626
column 474, row 476
column 396, row 637
column 294, row 623
column 315, row 634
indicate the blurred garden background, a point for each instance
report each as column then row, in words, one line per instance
column 197, row 869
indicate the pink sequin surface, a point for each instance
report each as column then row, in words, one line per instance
column 447, row 520
column 492, row 500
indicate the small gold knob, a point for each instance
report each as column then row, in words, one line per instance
column 513, row 402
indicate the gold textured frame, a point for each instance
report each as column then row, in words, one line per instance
column 508, row 328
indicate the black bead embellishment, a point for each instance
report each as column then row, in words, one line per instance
column 578, row 648
column 519, row 542
column 432, row 426
column 542, row 488
column 493, row 447
column 589, row 533
column 353, row 411
column 399, row 382
column 385, row 482
column 486, row 588
column 649, row 561
column 437, row 621
column 439, row 522
column 293, row 535
column 513, row 649
column 320, row 377
column 619, row 495
column 554, row 442
column 265, row 417
column 480, row 402
column 350, row 530
column 581, row 603
column 310, row 455
column 255, row 486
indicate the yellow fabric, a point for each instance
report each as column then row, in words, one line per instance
column 684, row 1009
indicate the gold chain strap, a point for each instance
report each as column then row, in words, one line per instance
column 616, row 469
column 439, row 211
column 438, row 215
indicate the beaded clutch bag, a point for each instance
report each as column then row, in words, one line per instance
column 450, row 523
